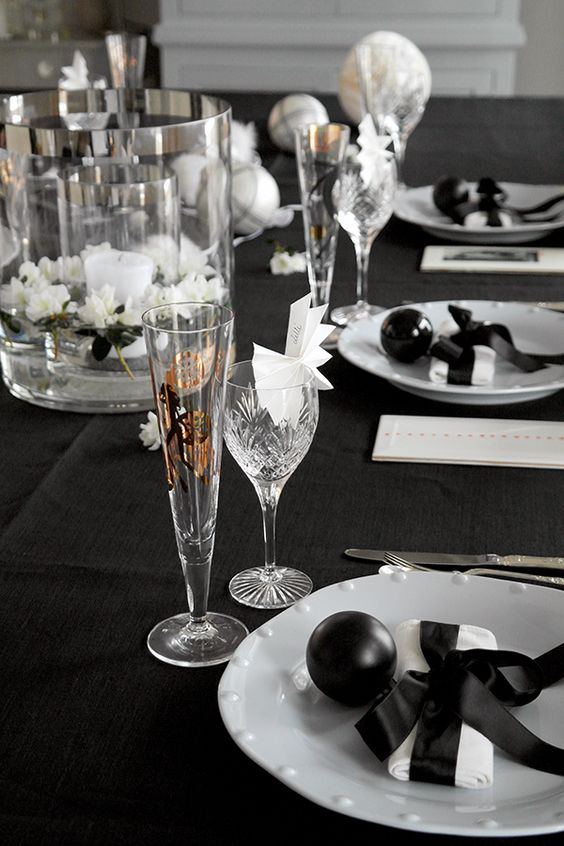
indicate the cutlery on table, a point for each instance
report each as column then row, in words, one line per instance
column 410, row 567
column 439, row 559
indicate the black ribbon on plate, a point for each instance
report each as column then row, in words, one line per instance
column 475, row 686
column 457, row 349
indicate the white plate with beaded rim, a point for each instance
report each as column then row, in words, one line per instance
column 415, row 205
column 534, row 330
column 309, row 742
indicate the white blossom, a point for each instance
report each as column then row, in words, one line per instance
column 52, row 271
column 149, row 432
column 73, row 269
column 130, row 316
column 29, row 273
column 49, row 302
column 193, row 259
column 197, row 288
column 99, row 308
column 283, row 262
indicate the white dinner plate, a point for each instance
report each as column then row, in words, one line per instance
column 534, row 330
column 309, row 742
column 415, row 205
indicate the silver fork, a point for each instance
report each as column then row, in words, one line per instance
column 410, row 566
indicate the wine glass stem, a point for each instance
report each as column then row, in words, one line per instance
column 362, row 248
column 269, row 495
column 398, row 142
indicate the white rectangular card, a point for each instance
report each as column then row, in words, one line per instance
column 458, row 440
column 493, row 259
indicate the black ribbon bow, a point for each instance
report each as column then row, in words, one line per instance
column 457, row 349
column 475, row 686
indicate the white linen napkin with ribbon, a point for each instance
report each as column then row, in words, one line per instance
column 302, row 354
column 474, row 763
column 483, row 368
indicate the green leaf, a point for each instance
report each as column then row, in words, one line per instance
column 100, row 348
column 10, row 322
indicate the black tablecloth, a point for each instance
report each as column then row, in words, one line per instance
column 99, row 742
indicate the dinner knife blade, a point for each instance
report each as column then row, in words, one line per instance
column 454, row 560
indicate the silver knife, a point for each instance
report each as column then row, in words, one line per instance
column 452, row 560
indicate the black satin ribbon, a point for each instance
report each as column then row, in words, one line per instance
column 475, row 686
column 457, row 349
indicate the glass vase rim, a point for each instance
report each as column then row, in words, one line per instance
column 227, row 317
column 307, row 383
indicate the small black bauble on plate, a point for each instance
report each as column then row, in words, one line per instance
column 351, row 657
column 450, row 192
column 406, row 334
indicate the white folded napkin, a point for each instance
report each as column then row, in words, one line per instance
column 484, row 360
column 474, row 764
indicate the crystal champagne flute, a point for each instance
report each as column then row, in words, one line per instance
column 268, row 431
column 188, row 349
column 320, row 152
column 364, row 207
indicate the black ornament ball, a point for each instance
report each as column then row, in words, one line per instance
column 449, row 192
column 406, row 334
column 351, row 657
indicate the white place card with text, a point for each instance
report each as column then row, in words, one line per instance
column 493, row 259
column 459, row 440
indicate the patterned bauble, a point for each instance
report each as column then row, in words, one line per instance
column 289, row 114
column 255, row 197
column 349, row 86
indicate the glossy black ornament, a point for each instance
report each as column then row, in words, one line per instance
column 351, row 657
column 450, row 192
column 406, row 334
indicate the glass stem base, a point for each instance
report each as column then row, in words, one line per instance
column 265, row 588
column 344, row 314
column 181, row 641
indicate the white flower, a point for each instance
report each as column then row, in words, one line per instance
column 99, row 308
column 149, row 434
column 163, row 250
column 193, row 259
column 130, row 316
column 285, row 263
column 73, row 269
column 19, row 294
column 156, row 295
column 197, row 288
column 52, row 271
column 49, row 302
column 29, row 273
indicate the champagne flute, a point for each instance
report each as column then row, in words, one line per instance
column 394, row 90
column 364, row 207
column 188, row 349
column 320, row 152
column 268, row 431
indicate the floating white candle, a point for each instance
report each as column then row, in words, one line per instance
column 128, row 272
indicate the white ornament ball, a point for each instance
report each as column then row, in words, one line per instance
column 289, row 114
column 255, row 197
column 349, row 84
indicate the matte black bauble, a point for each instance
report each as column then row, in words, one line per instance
column 406, row 334
column 351, row 657
column 450, row 192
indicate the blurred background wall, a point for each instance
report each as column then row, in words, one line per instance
column 496, row 47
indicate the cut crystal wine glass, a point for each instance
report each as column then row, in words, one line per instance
column 268, row 431
column 394, row 91
column 188, row 347
column 365, row 205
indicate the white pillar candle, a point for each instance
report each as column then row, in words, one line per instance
column 128, row 272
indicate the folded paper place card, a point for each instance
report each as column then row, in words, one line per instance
column 493, row 259
column 458, row 440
